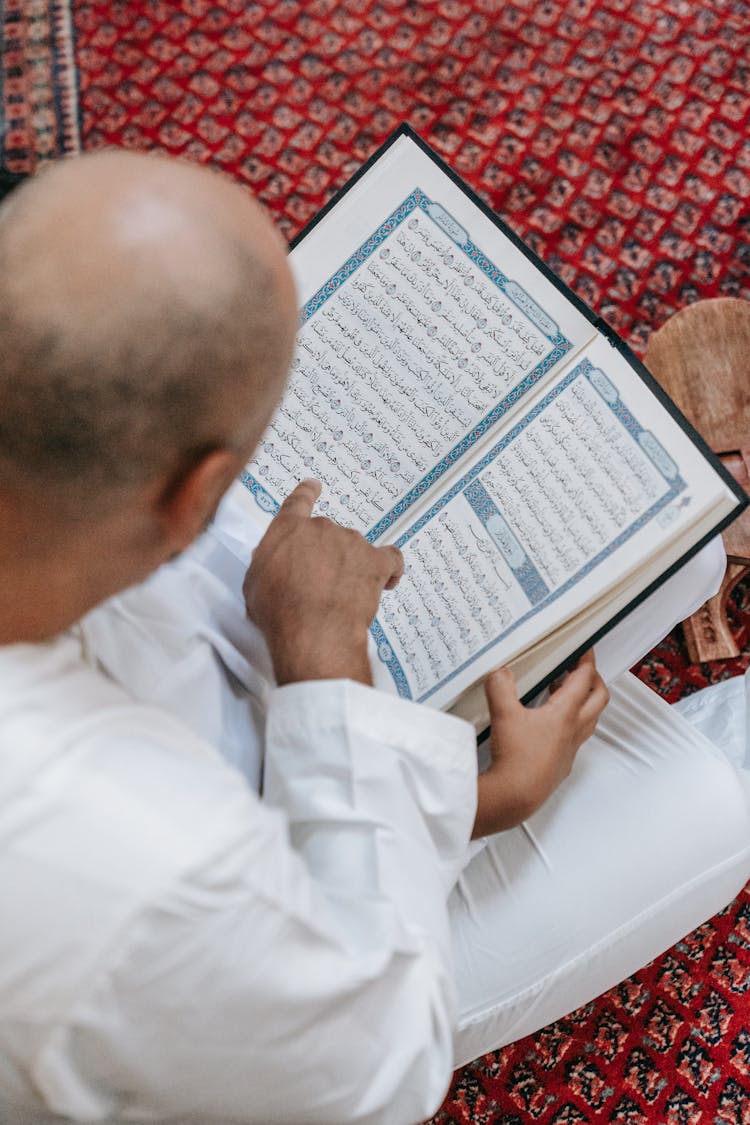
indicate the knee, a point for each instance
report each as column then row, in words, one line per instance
column 682, row 811
column 707, row 821
column 706, row 570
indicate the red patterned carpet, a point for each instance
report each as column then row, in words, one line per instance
column 614, row 136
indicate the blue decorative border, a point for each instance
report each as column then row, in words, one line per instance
column 510, row 289
column 388, row 657
column 668, row 470
column 485, row 509
column 263, row 498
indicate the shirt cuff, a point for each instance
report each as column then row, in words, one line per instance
column 389, row 758
column 315, row 704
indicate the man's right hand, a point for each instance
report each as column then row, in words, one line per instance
column 313, row 589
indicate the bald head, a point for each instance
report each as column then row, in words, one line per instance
column 147, row 316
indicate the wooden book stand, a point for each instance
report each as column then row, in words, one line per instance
column 701, row 356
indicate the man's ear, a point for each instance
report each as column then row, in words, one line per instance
column 189, row 504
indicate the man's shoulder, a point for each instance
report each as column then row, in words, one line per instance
column 78, row 748
column 54, row 696
column 110, row 810
column 50, row 682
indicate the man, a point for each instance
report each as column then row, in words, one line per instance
column 172, row 946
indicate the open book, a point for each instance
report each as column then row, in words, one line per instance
column 455, row 398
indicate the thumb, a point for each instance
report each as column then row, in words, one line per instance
column 502, row 695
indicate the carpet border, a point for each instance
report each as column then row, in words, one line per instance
column 40, row 39
column 66, row 91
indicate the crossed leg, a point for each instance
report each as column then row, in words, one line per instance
column 647, row 838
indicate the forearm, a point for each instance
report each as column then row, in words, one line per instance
column 499, row 805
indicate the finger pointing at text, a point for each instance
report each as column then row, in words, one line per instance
column 313, row 588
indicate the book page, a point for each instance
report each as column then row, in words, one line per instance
column 545, row 655
column 589, row 483
column 422, row 327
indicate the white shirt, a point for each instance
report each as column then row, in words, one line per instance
column 172, row 947
column 170, row 944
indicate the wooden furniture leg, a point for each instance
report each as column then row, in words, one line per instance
column 701, row 356
column 707, row 634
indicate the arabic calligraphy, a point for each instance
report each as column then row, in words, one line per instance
column 408, row 354
column 571, row 482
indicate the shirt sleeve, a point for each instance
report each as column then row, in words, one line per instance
column 301, row 972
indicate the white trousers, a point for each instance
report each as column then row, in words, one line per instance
column 646, row 839
column 648, row 836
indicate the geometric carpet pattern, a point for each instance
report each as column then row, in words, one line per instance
column 38, row 92
column 669, row 1046
column 614, row 136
